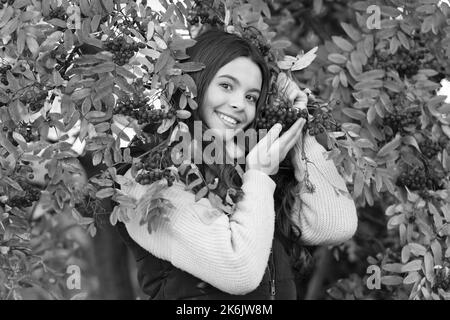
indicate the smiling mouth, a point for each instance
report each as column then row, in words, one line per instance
column 229, row 121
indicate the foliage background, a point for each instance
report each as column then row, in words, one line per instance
column 61, row 75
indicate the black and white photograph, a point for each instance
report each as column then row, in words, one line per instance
column 236, row 151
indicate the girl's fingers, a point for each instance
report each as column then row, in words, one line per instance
column 290, row 137
column 271, row 136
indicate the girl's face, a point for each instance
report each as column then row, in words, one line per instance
column 229, row 104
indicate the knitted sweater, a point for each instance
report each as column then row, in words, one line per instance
column 231, row 252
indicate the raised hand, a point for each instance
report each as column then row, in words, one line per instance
column 272, row 149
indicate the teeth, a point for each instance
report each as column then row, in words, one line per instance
column 227, row 119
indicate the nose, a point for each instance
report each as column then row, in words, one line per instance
column 238, row 102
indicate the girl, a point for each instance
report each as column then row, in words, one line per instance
column 203, row 253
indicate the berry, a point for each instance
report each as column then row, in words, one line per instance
column 26, row 199
column 121, row 50
column 279, row 110
column 137, row 108
column 402, row 121
column 58, row 13
column 28, row 132
column 430, row 148
column 419, row 179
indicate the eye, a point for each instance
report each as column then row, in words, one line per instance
column 226, row 86
column 252, row 99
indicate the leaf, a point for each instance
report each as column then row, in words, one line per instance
column 371, row 75
column 334, row 68
column 81, row 94
column 354, row 114
column 95, row 22
column 354, row 34
column 105, row 193
column 368, row 45
column 281, row 44
column 405, row 254
column 20, row 41
column 160, row 43
column 113, row 217
column 162, row 61
column 391, row 280
column 104, row 67
column 32, row 45
column 150, row 30
column 414, row 265
column 403, row 39
column 191, row 66
column 412, row 277
column 124, row 72
column 86, row 106
column 79, row 296
column 358, row 184
column 417, row 249
column 95, row 114
column 305, row 60
column 437, row 252
column 342, row 43
column 356, row 62
column 8, row 12
column 337, row 58
column 97, row 157
column 410, row 140
column 389, row 147
column 183, row 114
column 393, row 267
column 360, row 5
column 165, row 125
column 371, row 114
column 429, row 265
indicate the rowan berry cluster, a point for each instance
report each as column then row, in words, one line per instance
column 407, row 62
column 131, row 106
column 3, row 70
column 430, row 148
column 122, row 50
column 27, row 131
column 138, row 109
column 322, row 121
column 442, row 279
column 58, row 13
column 281, row 112
column 204, row 13
column 400, row 120
column 154, row 168
column 34, row 99
column 257, row 39
column 420, row 179
column 154, row 175
column 29, row 195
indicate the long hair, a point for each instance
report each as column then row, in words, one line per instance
column 215, row 48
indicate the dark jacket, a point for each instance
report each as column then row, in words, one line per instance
column 162, row 281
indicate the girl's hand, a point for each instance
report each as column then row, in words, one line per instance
column 296, row 96
column 272, row 149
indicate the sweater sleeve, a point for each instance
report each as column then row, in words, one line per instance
column 229, row 252
column 324, row 216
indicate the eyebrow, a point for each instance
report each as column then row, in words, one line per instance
column 237, row 81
